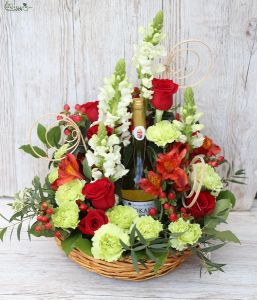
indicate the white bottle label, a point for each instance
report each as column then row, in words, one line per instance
column 139, row 133
column 141, row 207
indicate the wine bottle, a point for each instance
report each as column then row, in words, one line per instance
column 131, row 193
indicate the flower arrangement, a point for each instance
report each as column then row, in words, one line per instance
column 79, row 202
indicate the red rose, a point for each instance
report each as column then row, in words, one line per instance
column 93, row 221
column 163, row 91
column 94, row 129
column 100, row 193
column 90, row 109
column 204, row 205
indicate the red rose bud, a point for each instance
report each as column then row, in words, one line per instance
column 173, row 217
column 66, row 107
column 77, row 107
column 152, row 211
column 90, row 109
column 93, row 221
column 100, row 193
column 163, row 91
column 67, row 131
column 204, row 205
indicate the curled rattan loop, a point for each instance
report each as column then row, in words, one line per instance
column 176, row 53
column 74, row 141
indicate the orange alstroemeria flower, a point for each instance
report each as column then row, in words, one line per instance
column 68, row 170
column 208, row 148
column 169, row 166
column 151, row 184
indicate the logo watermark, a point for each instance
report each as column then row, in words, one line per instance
column 13, row 7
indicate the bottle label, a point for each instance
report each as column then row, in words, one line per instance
column 139, row 133
column 141, row 207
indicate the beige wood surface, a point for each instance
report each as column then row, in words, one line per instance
column 60, row 50
column 37, row 270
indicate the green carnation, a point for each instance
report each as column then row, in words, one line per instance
column 53, row 175
column 211, row 179
column 190, row 234
column 66, row 216
column 163, row 133
column 70, row 192
column 61, row 151
column 122, row 216
column 148, row 227
column 106, row 242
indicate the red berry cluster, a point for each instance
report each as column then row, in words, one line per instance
column 216, row 161
column 44, row 218
column 82, row 206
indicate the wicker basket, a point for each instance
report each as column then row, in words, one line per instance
column 123, row 269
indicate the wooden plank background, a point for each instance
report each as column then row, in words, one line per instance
column 59, row 52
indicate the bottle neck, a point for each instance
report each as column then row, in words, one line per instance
column 138, row 119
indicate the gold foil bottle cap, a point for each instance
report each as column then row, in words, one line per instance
column 138, row 103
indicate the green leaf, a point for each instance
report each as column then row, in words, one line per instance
column 134, row 261
column 224, row 236
column 19, row 231
column 70, row 243
column 4, row 216
column 151, row 255
column 227, row 195
column 139, row 248
column 2, row 232
column 125, row 246
column 212, row 248
column 240, row 172
column 86, row 169
column 84, row 245
column 161, row 260
column 221, row 210
column 53, row 136
column 41, row 132
column 38, row 151
column 141, row 238
column 132, row 235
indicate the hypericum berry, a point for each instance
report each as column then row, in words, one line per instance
column 213, row 163
column 49, row 211
column 173, row 217
column 162, row 194
column 45, row 219
column 38, row 228
column 152, row 211
column 220, row 159
column 67, row 131
column 76, row 118
column 44, row 205
column 57, row 234
column 186, row 216
column 83, row 207
column 66, row 107
column 166, row 206
column 39, row 218
column 183, row 210
column 77, row 107
column 78, row 202
column 171, row 196
column 48, row 226
column 59, row 118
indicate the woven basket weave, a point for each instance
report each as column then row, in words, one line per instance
column 123, row 269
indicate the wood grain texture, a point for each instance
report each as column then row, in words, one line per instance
column 59, row 51
column 38, row 270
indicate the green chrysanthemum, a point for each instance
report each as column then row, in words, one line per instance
column 53, row 175
column 190, row 234
column 61, row 151
column 66, row 216
column 122, row 216
column 70, row 192
column 148, row 227
column 211, row 179
column 106, row 242
column 163, row 133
